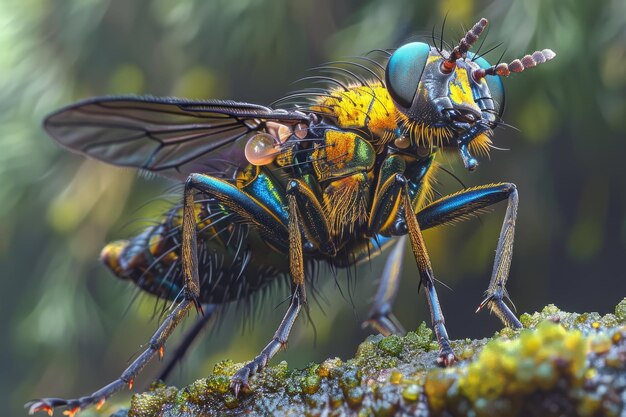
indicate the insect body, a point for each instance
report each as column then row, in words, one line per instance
column 271, row 192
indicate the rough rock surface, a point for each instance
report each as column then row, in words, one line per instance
column 560, row 364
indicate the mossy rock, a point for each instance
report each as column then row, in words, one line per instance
column 561, row 364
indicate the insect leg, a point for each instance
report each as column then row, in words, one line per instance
column 127, row 378
column 190, row 336
column 385, row 205
column 457, row 207
column 191, row 292
column 311, row 215
column 380, row 317
column 298, row 299
column 386, row 201
column 446, row 355
column 241, row 203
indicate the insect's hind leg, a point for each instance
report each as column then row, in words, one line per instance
column 190, row 296
column 188, row 339
column 126, row 379
column 457, row 207
column 380, row 317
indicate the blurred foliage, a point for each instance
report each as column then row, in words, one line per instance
column 67, row 327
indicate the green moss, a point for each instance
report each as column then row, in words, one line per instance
column 549, row 310
column 311, row 383
column 391, row 345
column 152, row 401
column 620, row 311
column 419, row 339
column 226, row 368
column 561, row 364
column 328, row 366
column 218, row 384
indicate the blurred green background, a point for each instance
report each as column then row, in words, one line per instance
column 66, row 327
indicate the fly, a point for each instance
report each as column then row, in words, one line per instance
column 270, row 192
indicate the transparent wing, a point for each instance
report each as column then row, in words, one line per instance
column 169, row 136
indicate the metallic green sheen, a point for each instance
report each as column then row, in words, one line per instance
column 338, row 165
column 364, row 155
column 392, row 165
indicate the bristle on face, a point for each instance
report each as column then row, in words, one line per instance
column 421, row 134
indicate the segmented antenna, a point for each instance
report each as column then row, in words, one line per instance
column 464, row 45
column 519, row 65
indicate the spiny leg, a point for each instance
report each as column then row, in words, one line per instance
column 188, row 338
column 127, row 378
column 380, row 317
column 240, row 379
column 240, row 203
column 311, row 215
column 298, row 299
column 191, row 291
column 457, row 207
column 446, row 355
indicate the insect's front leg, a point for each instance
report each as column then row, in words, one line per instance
column 457, row 207
column 446, row 355
column 298, row 298
column 392, row 193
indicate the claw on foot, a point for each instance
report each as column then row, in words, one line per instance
column 237, row 385
column 36, row 406
column 484, row 303
column 446, row 359
column 239, row 381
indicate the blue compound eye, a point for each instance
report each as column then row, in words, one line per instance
column 496, row 88
column 404, row 70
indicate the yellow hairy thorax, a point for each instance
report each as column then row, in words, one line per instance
column 370, row 107
column 360, row 107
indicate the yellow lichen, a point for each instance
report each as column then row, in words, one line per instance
column 561, row 365
column 513, row 368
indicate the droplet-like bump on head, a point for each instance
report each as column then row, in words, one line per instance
column 402, row 142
